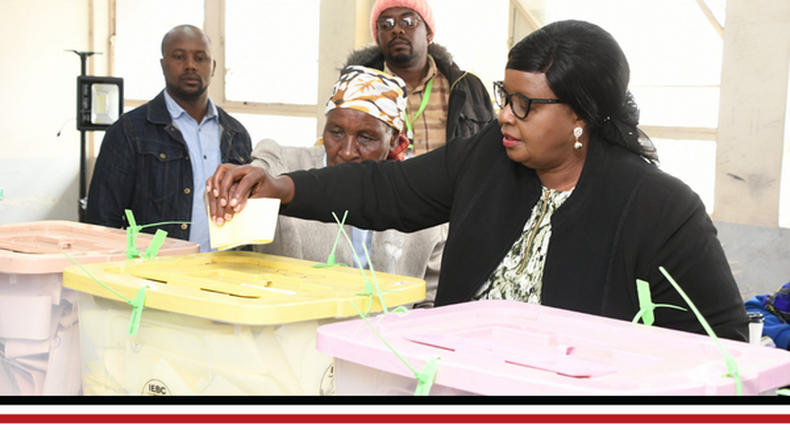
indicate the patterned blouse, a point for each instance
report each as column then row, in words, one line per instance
column 519, row 276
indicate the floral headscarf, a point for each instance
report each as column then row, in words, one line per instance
column 377, row 94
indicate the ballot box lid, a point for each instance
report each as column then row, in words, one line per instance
column 247, row 288
column 41, row 246
column 505, row 347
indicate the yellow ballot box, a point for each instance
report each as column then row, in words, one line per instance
column 219, row 323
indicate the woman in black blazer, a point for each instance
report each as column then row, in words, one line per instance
column 560, row 202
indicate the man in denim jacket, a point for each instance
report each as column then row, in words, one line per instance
column 156, row 158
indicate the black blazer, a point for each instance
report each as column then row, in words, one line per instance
column 624, row 219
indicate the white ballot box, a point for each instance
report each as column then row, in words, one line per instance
column 39, row 324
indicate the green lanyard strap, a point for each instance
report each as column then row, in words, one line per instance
column 425, row 97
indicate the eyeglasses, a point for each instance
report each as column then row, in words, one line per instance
column 520, row 106
column 406, row 22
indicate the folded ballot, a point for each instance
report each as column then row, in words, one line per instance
column 254, row 225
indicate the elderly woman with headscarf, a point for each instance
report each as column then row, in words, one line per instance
column 364, row 120
column 560, row 203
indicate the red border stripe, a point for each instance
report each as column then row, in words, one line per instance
column 393, row 419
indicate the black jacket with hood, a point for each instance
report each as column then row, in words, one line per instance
column 469, row 106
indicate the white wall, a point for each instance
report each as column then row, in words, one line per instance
column 39, row 170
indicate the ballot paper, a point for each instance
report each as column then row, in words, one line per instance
column 254, row 225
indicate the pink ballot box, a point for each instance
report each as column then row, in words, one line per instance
column 39, row 333
column 512, row 348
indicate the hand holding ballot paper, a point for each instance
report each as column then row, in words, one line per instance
column 231, row 187
column 255, row 225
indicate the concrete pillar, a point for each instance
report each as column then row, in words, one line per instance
column 752, row 112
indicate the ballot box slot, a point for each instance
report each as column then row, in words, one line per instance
column 227, row 293
column 39, row 244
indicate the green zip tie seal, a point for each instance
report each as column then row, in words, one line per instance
column 156, row 242
column 330, row 261
column 646, row 304
column 351, row 244
column 98, row 281
column 375, row 281
column 137, row 310
column 131, row 236
column 732, row 365
column 368, row 285
column 137, row 304
column 425, row 378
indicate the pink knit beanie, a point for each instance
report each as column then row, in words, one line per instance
column 419, row 6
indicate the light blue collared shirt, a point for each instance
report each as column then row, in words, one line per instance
column 204, row 155
column 358, row 237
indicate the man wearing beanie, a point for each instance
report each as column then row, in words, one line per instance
column 444, row 102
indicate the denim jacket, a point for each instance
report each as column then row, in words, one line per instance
column 144, row 166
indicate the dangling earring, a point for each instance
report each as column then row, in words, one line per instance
column 577, row 133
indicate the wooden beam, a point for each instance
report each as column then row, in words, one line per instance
column 711, row 18
column 531, row 20
column 679, row 133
